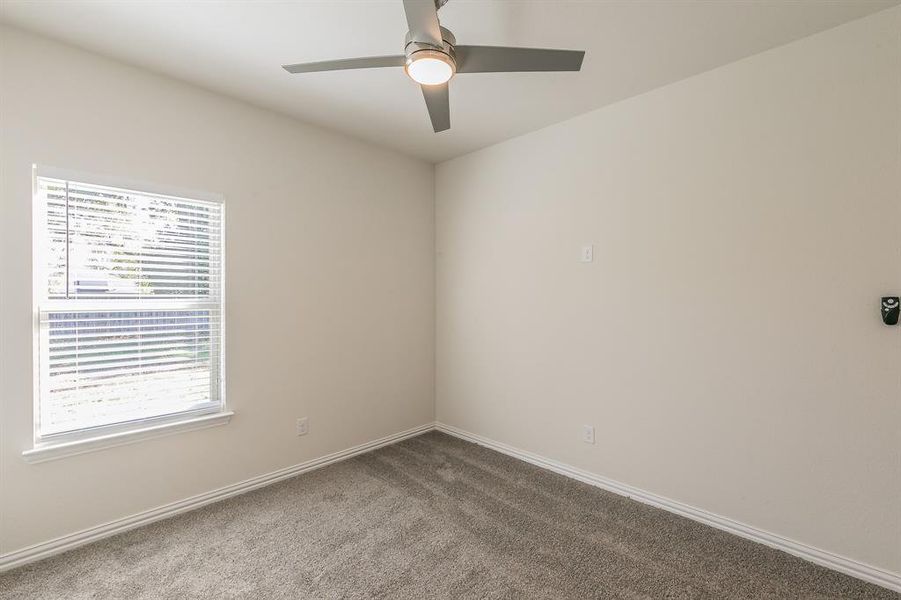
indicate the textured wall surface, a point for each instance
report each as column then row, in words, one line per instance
column 726, row 341
column 329, row 281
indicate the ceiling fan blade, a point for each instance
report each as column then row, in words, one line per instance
column 438, row 103
column 367, row 62
column 422, row 19
column 500, row 59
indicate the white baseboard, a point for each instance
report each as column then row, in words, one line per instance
column 823, row 558
column 86, row 536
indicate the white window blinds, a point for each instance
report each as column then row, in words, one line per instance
column 130, row 308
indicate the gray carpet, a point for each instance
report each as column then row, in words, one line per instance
column 431, row 517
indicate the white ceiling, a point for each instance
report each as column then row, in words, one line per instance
column 237, row 47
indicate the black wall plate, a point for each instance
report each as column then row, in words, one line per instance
column 890, row 309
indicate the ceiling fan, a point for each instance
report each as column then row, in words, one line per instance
column 431, row 57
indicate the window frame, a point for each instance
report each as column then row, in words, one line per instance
column 48, row 447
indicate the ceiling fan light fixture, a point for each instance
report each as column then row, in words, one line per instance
column 430, row 67
column 431, row 54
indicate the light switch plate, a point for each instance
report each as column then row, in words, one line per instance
column 588, row 434
column 587, row 253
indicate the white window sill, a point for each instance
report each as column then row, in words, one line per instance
column 47, row 452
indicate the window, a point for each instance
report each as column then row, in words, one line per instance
column 129, row 290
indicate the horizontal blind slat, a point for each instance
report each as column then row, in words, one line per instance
column 111, row 342
column 103, row 362
column 175, row 377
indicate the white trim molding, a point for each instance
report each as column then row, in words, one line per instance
column 93, row 534
column 42, row 453
column 823, row 558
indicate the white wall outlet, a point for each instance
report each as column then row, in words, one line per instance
column 588, row 434
column 588, row 253
column 303, row 426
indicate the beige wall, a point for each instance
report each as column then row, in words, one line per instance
column 726, row 341
column 330, row 275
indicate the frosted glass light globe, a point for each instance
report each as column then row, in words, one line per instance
column 432, row 69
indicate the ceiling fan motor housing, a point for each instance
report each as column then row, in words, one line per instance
column 422, row 49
